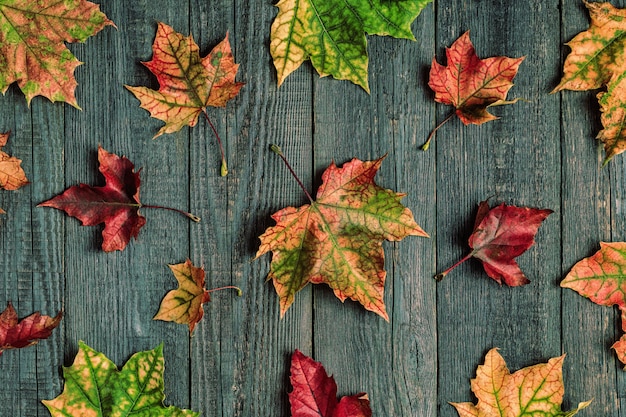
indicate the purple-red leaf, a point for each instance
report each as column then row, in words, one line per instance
column 500, row 235
column 16, row 334
column 315, row 393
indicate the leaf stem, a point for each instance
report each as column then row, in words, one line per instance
column 184, row 213
column 276, row 149
column 441, row 275
column 239, row 292
column 426, row 145
column 224, row 167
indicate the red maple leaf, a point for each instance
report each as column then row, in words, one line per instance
column 471, row 84
column 315, row 393
column 16, row 334
column 116, row 204
column 500, row 235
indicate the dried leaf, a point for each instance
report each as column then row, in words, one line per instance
column 331, row 34
column 596, row 60
column 500, row 235
column 32, row 49
column 12, row 176
column 602, row 279
column 16, row 334
column 337, row 239
column 536, row 390
column 95, row 388
column 315, row 393
column 471, row 84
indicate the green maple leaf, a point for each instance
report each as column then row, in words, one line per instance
column 532, row 391
column 32, row 52
column 331, row 33
column 337, row 239
column 95, row 388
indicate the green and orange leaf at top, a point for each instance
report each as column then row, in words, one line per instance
column 532, row 391
column 337, row 239
column 331, row 33
column 184, row 305
column 188, row 84
column 596, row 61
column 602, row 278
column 471, row 84
column 32, row 49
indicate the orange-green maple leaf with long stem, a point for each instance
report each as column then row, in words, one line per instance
column 337, row 238
column 602, row 279
column 187, row 83
column 596, row 61
column 32, row 49
column 471, row 84
column 184, row 304
column 533, row 391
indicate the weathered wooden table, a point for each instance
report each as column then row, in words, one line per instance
column 541, row 153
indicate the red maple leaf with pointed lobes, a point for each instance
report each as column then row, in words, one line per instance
column 187, row 82
column 500, row 235
column 315, row 393
column 471, row 84
column 32, row 48
column 116, row 204
column 16, row 334
column 602, row 278
column 337, row 239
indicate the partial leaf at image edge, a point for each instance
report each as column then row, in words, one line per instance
column 17, row 334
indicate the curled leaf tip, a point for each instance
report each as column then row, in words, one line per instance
column 440, row 276
column 276, row 149
column 224, row 169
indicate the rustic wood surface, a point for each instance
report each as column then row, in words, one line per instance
column 541, row 153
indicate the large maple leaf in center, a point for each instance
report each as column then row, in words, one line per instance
column 337, row 239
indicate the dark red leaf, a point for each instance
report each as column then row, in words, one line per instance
column 16, row 334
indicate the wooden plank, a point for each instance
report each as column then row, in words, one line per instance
column 244, row 341
column 588, row 329
column 517, row 161
column 125, row 288
column 392, row 362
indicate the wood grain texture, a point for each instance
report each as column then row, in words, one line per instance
column 541, row 153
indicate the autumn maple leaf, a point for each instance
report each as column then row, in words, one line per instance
column 116, row 204
column 596, row 60
column 315, row 393
column 535, row 390
column 16, row 334
column 331, row 34
column 184, row 304
column 187, row 83
column 471, row 84
column 500, row 235
column 337, row 239
column 12, row 176
column 32, row 52
column 94, row 387
column 602, row 279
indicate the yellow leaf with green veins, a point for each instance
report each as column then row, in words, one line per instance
column 331, row 33
column 530, row 392
column 95, row 388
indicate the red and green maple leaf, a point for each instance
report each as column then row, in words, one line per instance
column 32, row 49
column 471, row 84
column 184, row 304
column 501, row 234
column 95, row 388
column 188, row 84
column 597, row 61
column 315, row 393
column 116, row 204
column 602, row 279
column 16, row 334
column 337, row 238
column 535, row 390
